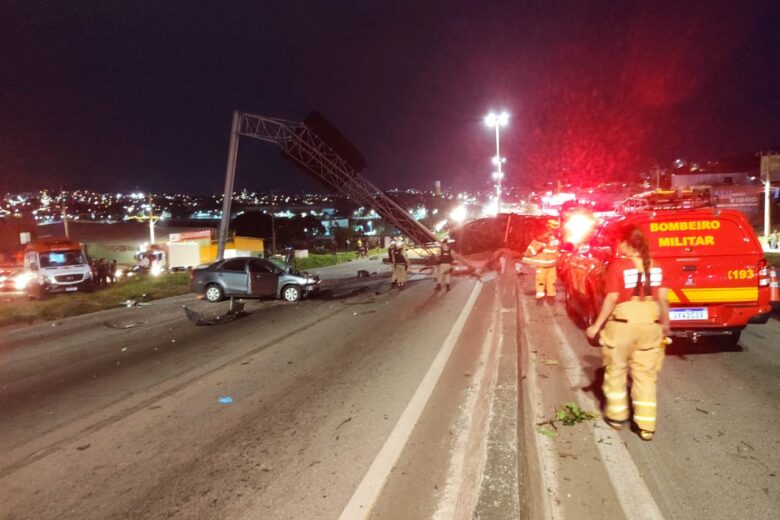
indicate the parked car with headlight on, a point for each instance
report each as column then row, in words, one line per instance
column 249, row 277
column 12, row 279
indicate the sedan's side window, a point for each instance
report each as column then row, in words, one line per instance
column 257, row 266
column 236, row 264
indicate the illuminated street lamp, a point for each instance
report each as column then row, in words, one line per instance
column 496, row 121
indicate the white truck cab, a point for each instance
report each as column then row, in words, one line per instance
column 53, row 266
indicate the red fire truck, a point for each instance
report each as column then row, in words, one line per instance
column 713, row 264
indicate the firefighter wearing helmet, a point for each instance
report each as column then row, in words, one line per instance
column 542, row 254
column 635, row 319
column 445, row 265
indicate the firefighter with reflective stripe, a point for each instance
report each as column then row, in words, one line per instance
column 542, row 254
column 398, row 260
column 635, row 319
column 445, row 265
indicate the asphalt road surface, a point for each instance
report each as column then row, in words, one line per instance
column 371, row 403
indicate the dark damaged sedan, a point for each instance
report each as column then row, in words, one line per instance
column 248, row 277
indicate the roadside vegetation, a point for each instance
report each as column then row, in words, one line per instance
column 19, row 310
column 324, row 260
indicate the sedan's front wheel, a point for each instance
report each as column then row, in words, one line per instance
column 214, row 293
column 291, row 293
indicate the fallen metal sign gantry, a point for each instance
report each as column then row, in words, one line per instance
column 325, row 154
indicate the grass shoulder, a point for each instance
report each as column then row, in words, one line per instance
column 22, row 311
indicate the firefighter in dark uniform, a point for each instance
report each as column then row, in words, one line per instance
column 542, row 254
column 398, row 261
column 635, row 321
column 445, row 265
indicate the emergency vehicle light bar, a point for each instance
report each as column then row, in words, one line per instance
column 683, row 198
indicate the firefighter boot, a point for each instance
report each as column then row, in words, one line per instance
column 540, row 282
column 645, row 365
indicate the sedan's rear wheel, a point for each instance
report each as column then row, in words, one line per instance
column 214, row 293
column 291, row 293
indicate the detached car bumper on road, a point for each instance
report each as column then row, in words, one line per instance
column 249, row 277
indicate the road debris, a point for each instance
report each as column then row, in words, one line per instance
column 571, row 413
column 342, row 423
column 545, row 431
column 235, row 311
column 550, row 362
column 122, row 326
column 137, row 301
column 225, row 400
column 361, row 302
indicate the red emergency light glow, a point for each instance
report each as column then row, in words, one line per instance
column 578, row 227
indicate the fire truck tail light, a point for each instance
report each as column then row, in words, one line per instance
column 763, row 273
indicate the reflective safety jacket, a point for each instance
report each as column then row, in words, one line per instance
column 542, row 252
column 445, row 257
column 397, row 256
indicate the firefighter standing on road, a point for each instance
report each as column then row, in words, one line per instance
column 398, row 260
column 635, row 317
column 542, row 254
column 445, row 265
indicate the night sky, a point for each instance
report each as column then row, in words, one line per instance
column 113, row 95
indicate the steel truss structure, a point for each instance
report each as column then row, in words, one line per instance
column 306, row 148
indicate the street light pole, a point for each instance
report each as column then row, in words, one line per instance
column 497, row 121
column 498, row 180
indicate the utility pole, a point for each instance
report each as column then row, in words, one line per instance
column 151, row 220
column 273, row 232
column 230, row 176
column 64, row 214
column 770, row 163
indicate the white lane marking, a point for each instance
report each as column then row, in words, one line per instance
column 545, row 446
column 364, row 498
column 457, row 502
column 631, row 489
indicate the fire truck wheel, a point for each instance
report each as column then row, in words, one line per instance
column 728, row 340
column 569, row 304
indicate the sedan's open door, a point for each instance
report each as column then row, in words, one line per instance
column 263, row 278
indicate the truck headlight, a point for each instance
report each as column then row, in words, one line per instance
column 51, row 279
